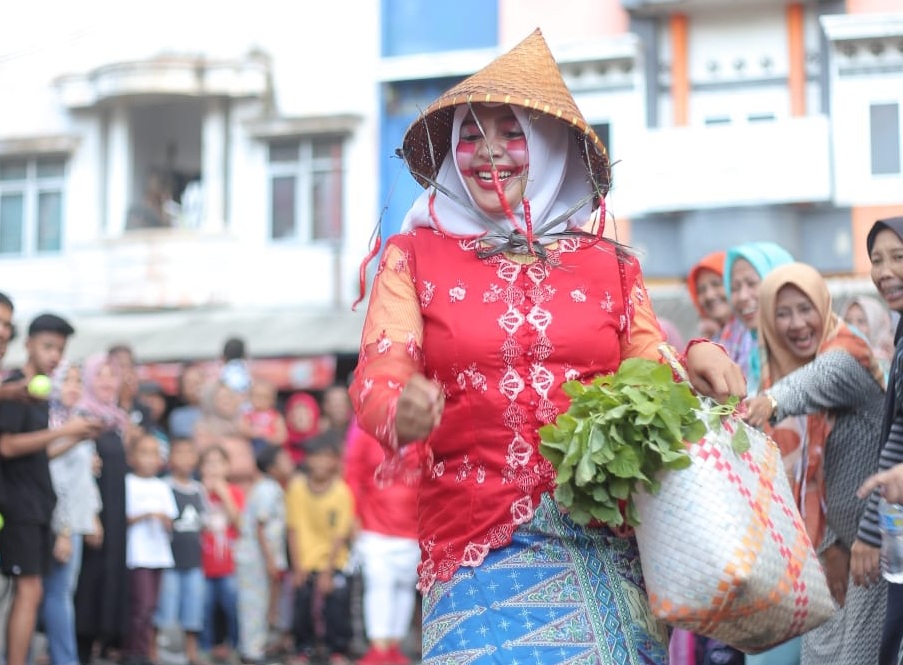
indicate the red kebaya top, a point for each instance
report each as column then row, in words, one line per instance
column 500, row 335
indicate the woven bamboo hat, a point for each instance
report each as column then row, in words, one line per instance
column 526, row 76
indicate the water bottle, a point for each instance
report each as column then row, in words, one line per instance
column 890, row 520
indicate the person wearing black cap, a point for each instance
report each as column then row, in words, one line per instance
column 28, row 499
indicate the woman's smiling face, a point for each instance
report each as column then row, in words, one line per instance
column 797, row 322
column 745, row 292
column 887, row 268
column 492, row 140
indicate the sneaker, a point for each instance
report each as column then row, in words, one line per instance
column 376, row 656
column 396, row 656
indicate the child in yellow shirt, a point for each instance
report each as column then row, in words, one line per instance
column 319, row 520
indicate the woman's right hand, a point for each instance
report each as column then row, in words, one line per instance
column 419, row 409
column 94, row 540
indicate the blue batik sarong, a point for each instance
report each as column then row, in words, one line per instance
column 558, row 594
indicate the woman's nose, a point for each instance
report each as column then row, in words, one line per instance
column 489, row 146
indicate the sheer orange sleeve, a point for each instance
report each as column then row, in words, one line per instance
column 645, row 332
column 391, row 345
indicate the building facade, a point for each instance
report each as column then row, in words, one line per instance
column 167, row 181
column 191, row 174
column 727, row 122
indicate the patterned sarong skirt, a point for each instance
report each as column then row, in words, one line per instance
column 558, row 594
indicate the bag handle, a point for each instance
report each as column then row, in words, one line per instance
column 671, row 356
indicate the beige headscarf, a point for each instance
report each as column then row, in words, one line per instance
column 805, row 455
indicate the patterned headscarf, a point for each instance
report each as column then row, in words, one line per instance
column 59, row 412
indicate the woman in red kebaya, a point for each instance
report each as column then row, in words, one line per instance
column 494, row 296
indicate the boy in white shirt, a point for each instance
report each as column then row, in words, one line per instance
column 150, row 508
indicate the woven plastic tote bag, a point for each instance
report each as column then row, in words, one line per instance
column 723, row 548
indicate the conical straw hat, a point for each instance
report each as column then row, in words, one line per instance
column 526, row 76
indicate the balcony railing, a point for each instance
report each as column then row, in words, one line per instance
column 761, row 163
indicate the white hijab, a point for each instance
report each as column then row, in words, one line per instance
column 557, row 179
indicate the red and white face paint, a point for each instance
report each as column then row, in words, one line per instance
column 492, row 139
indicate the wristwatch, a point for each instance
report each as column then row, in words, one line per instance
column 773, row 402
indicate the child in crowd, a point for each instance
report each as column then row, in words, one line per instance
column 337, row 409
column 302, row 419
column 225, row 503
column 320, row 515
column 260, row 553
column 150, row 508
column 263, row 424
column 181, row 603
column 386, row 545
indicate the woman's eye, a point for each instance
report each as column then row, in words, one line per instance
column 470, row 132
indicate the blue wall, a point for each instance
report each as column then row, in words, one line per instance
column 401, row 105
column 428, row 26
column 410, row 27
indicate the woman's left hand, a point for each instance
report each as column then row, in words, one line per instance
column 865, row 565
column 713, row 373
column 836, row 563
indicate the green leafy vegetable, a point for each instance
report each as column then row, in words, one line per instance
column 620, row 431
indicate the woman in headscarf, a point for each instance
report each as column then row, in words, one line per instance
column 302, row 420
column 868, row 316
column 220, row 425
column 705, row 284
column 813, row 365
column 492, row 298
column 101, row 598
column 745, row 266
column 76, row 515
column 885, row 248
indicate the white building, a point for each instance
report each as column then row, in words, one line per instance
column 728, row 121
column 264, row 123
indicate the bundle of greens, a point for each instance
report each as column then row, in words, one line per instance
column 620, row 430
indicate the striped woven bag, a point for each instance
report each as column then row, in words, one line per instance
column 723, row 548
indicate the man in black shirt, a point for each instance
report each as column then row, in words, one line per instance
column 27, row 498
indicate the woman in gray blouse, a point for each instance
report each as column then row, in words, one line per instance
column 814, row 366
